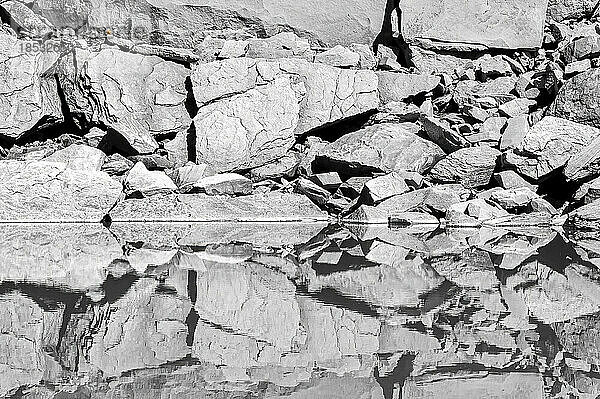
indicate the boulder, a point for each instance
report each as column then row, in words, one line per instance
column 585, row 163
column 395, row 86
column 384, row 187
column 515, row 131
column 510, row 24
column 141, row 181
column 281, row 45
column 587, row 217
column 326, row 94
column 79, row 157
column 442, row 134
column 338, row 56
column 185, row 24
column 187, row 176
column 248, row 130
column 472, row 167
column 52, row 192
column 509, row 179
column 579, row 99
column 286, row 166
column 271, row 207
column 560, row 10
column 383, row 147
column 549, row 145
column 138, row 97
column 225, row 184
column 28, row 95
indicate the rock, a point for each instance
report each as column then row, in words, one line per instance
column 492, row 67
column 95, row 137
column 384, row 187
column 413, row 219
column 140, row 180
column 187, row 176
column 509, row 179
column 329, row 181
column 516, row 107
column 225, row 184
column 515, row 131
column 560, row 10
column 233, row 49
column 587, row 217
column 353, row 187
column 79, row 157
column 509, row 25
column 117, row 165
column 395, row 86
column 585, row 163
column 472, row 167
column 440, row 133
column 365, row 52
column 576, row 67
column 479, row 114
column 28, row 96
column 585, row 46
column 473, row 213
column 387, row 59
column 338, row 56
column 138, row 103
column 513, row 198
column 271, row 207
column 24, row 21
column 187, row 24
column 285, row 166
column 316, row 193
column 433, row 63
column 248, row 130
column 326, row 94
column 549, row 145
column 166, row 52
column 578, row 99
column 384, row 147
column 281, row 45
column 152, row 161
column 50, row 191
column 397, row 112
column 490, row 131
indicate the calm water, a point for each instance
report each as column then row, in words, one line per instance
column 300, row 311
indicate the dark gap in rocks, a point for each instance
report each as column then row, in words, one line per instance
column 164, row 290
column 397, row 377
column 66, row 319
column 115, row 288
column 190, row 102
column 557, row 189
column 47, row 298
column 347, row 262
column 69, row 120
column 346, row 170
column 191, row 143
column 386, row 36
column 332, row 131
column 192, row 286
column 329, row 296
column 113, row 142
column 192, row 322
column 436, row 297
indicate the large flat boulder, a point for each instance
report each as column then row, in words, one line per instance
column 506, row 24
column 272, row 207
column 579, row 99
column 186, row 23
column 138, row 97
column 472, row 167
column 53, row 192
column 28, row 98
column 549, row 145
column 383, row 147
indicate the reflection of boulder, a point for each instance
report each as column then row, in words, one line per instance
column 251, row 300
column 142, row 329
column 551, row 296
column 70, row 255
column 501, row 386
column 25, row 333
column 581, row 337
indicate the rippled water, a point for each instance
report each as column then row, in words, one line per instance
column 300, row 311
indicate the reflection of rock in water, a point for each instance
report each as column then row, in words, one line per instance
column 382, row 314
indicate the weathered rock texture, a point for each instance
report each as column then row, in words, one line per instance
column 506, row 24
column 50, row 191
column 579, row 99
column 139, row 98
column 28, row 92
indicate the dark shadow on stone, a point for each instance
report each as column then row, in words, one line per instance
column 190, row 102
column 332, row 131
column 386, row 36
column 191, row 144
column 397, row 377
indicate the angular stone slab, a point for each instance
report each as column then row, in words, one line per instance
column 507, row 24
column 52, row 192
column 587, row 217
column 272, row 207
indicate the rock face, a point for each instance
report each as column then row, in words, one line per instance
column 28, row 98
column 472, row 167
column 579, row 99
column 384, row 147
column 50, row 191
column 250, row 110
column 147, row 183
column 185, row 24
column 138, row 97
column 272, row 207
column 587, row 217
column 509, row 24
column 79, row 157
column 549, row 145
